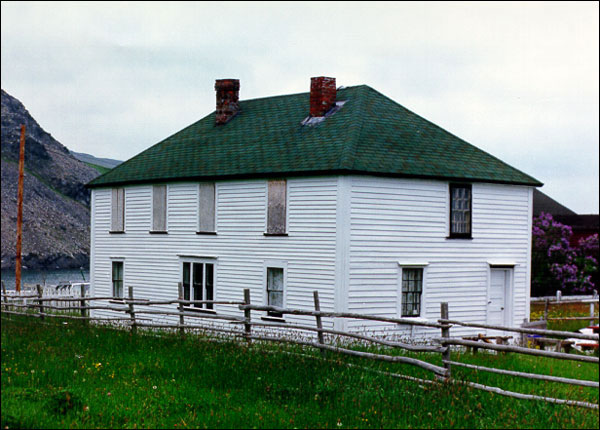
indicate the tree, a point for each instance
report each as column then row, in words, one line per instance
column 558, row 266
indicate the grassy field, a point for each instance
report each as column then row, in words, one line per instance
column 563, row 310
column 66, row 375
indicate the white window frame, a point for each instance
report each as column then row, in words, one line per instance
column 274, row 264
column 199, row 260
column 166, row 209
column 412, row 265
column 112, row 287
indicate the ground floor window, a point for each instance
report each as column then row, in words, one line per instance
column 275, row 281
column 198, row 283
column 412, row 289
column 117, row 279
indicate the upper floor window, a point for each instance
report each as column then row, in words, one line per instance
column 206, row 207
column 117, row 218
column 460, row 210
column 276, row 207
column 159, row 208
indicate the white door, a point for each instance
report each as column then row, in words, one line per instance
column 497, row 297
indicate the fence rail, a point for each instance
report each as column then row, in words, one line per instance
column 190, row 315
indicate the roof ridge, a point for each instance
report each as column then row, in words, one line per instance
column 348, row 151
column 450, row 133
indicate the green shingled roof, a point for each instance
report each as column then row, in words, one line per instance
column 370, row 134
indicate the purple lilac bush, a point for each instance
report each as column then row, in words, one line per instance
column 558, row 266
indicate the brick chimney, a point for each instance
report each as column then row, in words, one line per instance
column 322, row 95
column 228, row 92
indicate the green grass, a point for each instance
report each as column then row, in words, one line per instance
column 59, row 376
column 563, row 310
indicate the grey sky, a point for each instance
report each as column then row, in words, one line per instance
column 519, row 80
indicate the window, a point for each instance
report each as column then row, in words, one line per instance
column 275, row 283
column 159, row 208
column 206, row 208
column 412, row 289
column 460, row 211
column 117, row 220
column 198, row 283
column 276, row 207
column 117, row 279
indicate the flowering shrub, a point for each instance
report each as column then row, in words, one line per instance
column 558, row 266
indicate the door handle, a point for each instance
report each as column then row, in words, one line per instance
column 502, row 308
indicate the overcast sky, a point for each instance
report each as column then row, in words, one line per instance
column 519, row 80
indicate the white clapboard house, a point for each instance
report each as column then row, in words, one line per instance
column 343, row 191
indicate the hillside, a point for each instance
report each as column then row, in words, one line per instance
column 55, row 204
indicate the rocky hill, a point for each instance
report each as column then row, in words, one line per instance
column 56, row 213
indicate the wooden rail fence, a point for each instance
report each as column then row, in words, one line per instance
column 182, row 315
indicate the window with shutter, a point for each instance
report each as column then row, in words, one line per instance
column 159, row 208
column 276, row 208
column 206, row 208
column 117, row 221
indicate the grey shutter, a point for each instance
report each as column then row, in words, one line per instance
column 276, row 210
column 117, row 209
column 159, row 208
column 206, row 209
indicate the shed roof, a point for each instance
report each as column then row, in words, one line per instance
column 369, row 134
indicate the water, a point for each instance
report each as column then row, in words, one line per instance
column 50, row 277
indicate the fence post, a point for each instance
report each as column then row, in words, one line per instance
column 558, row 295
column 131, row 312
column 247, row 316
column 180, row 308
column 84, row 312
column 40, row 292
column 592, row 313
column 546, row 306
column 445, row 334
column 319, row 322
column 5, row 296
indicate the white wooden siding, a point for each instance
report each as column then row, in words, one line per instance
column 381, row 224
column 152, row 262
column 406, row 220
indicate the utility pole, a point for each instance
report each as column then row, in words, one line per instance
column 20, row 210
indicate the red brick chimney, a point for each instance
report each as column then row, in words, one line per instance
column 322, row 95
column 228, row 93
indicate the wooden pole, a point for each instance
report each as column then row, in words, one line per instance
column 40, row 292
column 592, row 313
column 180, row 308
column 131, row 313
column 446, row 334
column 319, row 322
column 20, row 210
column 5, row 296
column 83, row 310
column 247, row 316
column 546, row 306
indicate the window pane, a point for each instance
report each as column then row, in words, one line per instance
column 198, row 274
column 117, row 278
column 159, row 208
column 206, row 209
column 412, row 288
column 275, row 288
column 186, row 281
column 209, row 285
column 460, row 204
column 276, row 222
